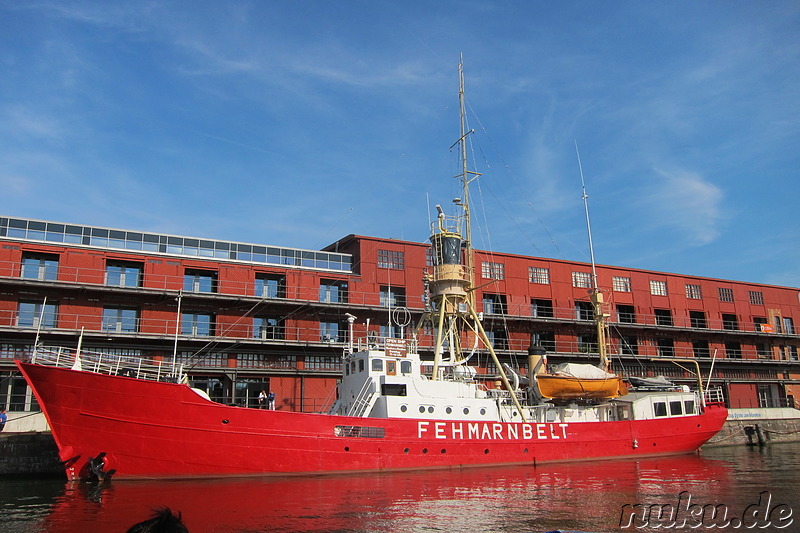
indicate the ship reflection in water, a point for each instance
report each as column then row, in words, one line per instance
column 583, row 496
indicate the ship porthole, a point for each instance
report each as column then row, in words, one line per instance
column 449, row 410
column 430, row 409
column 525, row 450
column 406, row 450
column 421, row 408
column 424, row 450
column 444, row 451
column 347, row 448
column 224, row 420
column 483, row 411
column 486, row 451
column 403, row 408
column 466, row 410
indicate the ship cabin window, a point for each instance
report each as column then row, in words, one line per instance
column 393, row 389
column 623, row 412
column 360, row 365
column 377, row 365
column 405, row 367
column 675, row 408
column 660, row 408
column 391, row 368
column 688, row 407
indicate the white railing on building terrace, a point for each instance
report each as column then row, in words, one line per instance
column 345, row 292
column 102, row 363
column 222, row 328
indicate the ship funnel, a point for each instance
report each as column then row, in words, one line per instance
column 537, row 359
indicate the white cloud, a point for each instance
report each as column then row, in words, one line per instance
column 684, row 202
column 14, row 185
column 24, row 121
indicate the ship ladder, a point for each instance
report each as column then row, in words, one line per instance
column 364, row 401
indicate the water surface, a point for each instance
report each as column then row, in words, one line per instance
column 585, row 496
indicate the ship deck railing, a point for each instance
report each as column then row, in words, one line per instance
column 714, row 395
column 109, row 364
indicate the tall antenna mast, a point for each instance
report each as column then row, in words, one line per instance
column 585, row 199
column 595, row 294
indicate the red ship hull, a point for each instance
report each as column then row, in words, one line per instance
column 149, row 429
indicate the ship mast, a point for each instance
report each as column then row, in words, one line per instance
column 451, row 282
column 596, row 295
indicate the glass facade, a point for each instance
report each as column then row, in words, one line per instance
column 37, row 230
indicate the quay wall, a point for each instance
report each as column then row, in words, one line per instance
column 759, row 432
column 759, row 427
column 33, row 453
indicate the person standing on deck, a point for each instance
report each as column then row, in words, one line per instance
column 3, row 418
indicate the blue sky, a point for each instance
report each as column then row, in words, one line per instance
column 296, row 123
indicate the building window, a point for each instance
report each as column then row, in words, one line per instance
column 42, row 267
column 392, row 331
column 539, row 275
column 270, row 286
column 698, row 319
column 626, row 314
column 658, row 288
column 762, row 350
column 542, row 308
column 494, row 304
column 123, row 274
column 665, row 347
column 330, row 331
column 756, row 297
column 32, row 315
column 545, row 339
column 584, row 310
column 629, row 345
column 788, row 325
column 121, row 319
column 621, row 284
column 693, row 292
column 491, row 270
column 268, row 328
column 758, row 322
column 200, row 281
column 663, row 317
column 322, row 362
column 333, row 291
column 498, row 339
column 392, row 296
column 730, row 321
column 733, row 350
column 587, row 343
column 197, row 324
column 700, row 348
column 725, row 294
column 391, row 259
column 582, row 279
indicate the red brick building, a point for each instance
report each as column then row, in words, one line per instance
column 245, row 317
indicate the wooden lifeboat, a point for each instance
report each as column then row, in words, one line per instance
column 580, row 381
